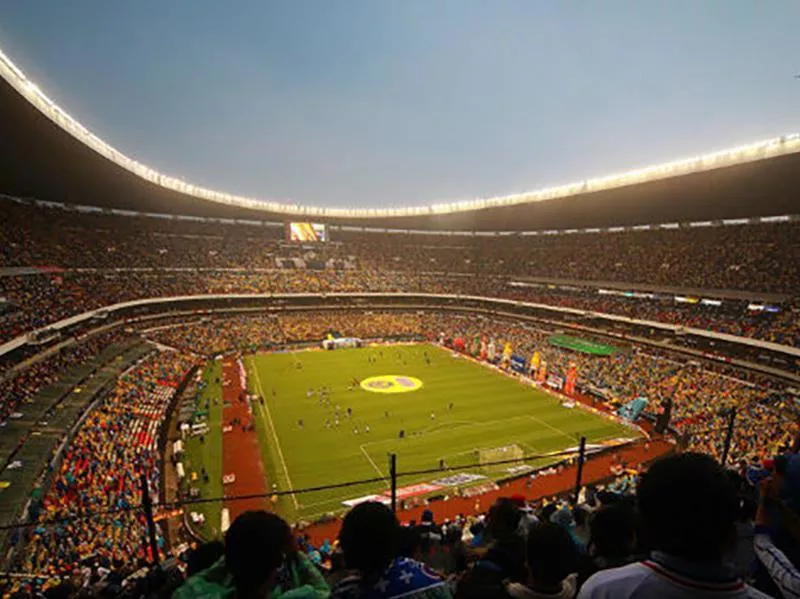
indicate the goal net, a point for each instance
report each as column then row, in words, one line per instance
column 511, row 454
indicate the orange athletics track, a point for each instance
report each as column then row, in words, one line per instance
column 241, row 453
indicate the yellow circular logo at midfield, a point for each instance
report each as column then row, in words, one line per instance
column 391, row 383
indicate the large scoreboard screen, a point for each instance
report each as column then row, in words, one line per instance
column 306, row 232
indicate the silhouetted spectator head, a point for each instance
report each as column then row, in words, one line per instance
column 369, row 537
column 689, row 507
column 612, row 532
column 504, row 517
column 551, row 556
column 256, row 545
column 410, row 542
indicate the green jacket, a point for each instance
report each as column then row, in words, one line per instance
column 217, row 583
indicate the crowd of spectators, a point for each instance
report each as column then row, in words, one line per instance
column 688, row 511
column 37, row 300
column 116, row 443
column 685, row 527
column 367, row 325
column 741, row 318
column 701, row 397
column 42, row 299
column 218, row 336
column 682, row 527
column 762, row 257
column 20, row 384
column 100, row 470
column 249, row 333
column 245, row 258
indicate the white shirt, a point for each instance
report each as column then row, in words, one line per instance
column 653, row 579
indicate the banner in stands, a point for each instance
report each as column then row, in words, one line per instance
column 555, row 382
column 598, row 392
column 518, row 363
column 415, row 490
column 591, row 448
column 462, row 478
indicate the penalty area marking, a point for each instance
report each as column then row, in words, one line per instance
column 254, row 367
column 551, row 427
column 335, row 503
column 438, row 429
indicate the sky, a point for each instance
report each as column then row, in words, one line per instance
column 379, row 103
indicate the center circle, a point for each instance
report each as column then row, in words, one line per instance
column 391, row 383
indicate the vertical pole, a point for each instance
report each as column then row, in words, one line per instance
column 393, row 476
column 579, row 475
column 728, row 436
column 147, row 505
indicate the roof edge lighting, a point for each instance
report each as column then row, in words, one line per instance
column 742, row 154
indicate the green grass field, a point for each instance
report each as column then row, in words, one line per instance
column 490, row 410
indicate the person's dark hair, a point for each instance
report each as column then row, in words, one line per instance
column 369, row 537
column 688, row 506
column 256, row 545
column 504, row 517
column 612, row 531
column 551, row 555
column 409, row 541
column 203, row 556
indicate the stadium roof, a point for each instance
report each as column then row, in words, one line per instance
column 47, row 155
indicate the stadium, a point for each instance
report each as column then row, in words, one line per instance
column 174, row 356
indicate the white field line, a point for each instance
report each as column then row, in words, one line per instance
column 254, row 368
column 551, row 427
column 438, row 429
column 555, row 395
column 335, row 503
column 529, row 446
column 374, row 465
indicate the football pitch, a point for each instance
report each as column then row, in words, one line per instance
column 447, row 407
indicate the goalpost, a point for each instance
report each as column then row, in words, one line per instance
column 500, row 454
